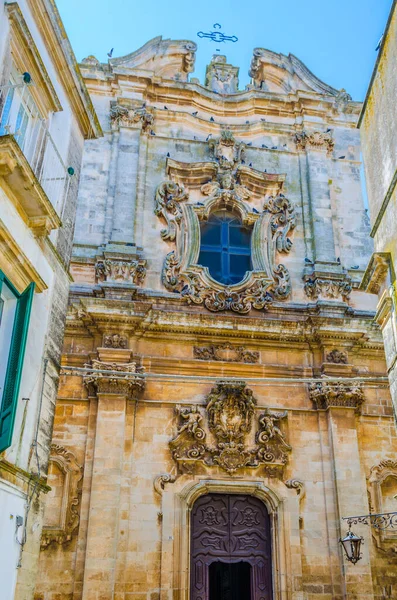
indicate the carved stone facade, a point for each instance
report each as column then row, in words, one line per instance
column 178, row 384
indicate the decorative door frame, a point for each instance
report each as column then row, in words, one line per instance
column 283, row 508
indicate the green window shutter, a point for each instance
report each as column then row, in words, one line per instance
column 14, row 366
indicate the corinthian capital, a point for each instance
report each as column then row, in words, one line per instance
column 340, row 394
column 114, row 378
column 315, row 140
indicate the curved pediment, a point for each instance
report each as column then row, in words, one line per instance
column 169, row 59
column 282, row 74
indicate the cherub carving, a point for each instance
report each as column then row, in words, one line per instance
column 191, row 419
column 270, row 430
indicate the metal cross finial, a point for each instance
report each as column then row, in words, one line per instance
column 217, row 36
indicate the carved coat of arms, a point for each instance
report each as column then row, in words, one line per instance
column 222, row 433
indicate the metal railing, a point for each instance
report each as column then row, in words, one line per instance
column 21, row 118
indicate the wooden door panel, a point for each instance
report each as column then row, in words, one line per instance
column 230, row 528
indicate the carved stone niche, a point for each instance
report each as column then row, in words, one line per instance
column 125, row 379
column 339, row 394
column 226, row 352
column 221, row 434
column 382, row 497
column 225, row 184
column 62, row 509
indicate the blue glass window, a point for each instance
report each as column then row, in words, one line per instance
column 225, row 247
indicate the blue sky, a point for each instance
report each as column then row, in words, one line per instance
column 336, row 39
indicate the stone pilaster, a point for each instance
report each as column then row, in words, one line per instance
column 125, row 190
column 341, row 400
column 113, row 392
column 318, row 146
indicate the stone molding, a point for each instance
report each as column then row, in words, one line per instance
column 71, row 497
column 226, row 352
column 339, row 394
column 267, row 281
column 218, row 435
column 120, row 271
column 314, row 140
column 129, row 383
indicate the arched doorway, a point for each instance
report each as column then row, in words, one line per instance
column 230, row 549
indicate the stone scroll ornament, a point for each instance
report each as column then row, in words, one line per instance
column 221, row 433
column 271, row 228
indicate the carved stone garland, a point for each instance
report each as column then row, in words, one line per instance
column 71, row 496
column 181, row 273
column 226, row 352
column 217, row 435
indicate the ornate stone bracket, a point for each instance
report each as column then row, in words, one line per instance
column 226, row 352
column 70, row 493
column 267, row 281
column 340, row 394
column 314, row 140
column 128, row 383
column 120, row 271
column 220, row 434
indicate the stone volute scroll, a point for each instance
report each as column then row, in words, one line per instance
column 227, row 434
column 193, row 192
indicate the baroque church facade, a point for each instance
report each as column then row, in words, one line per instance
column 223, row 399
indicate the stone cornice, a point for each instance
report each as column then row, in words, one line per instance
column 195, row 97
column 94, row 314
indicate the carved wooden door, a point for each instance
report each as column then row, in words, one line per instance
column 230, row 529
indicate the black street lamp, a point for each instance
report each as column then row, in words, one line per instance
column 351, row 543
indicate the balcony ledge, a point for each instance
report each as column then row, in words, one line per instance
column 24, row 190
